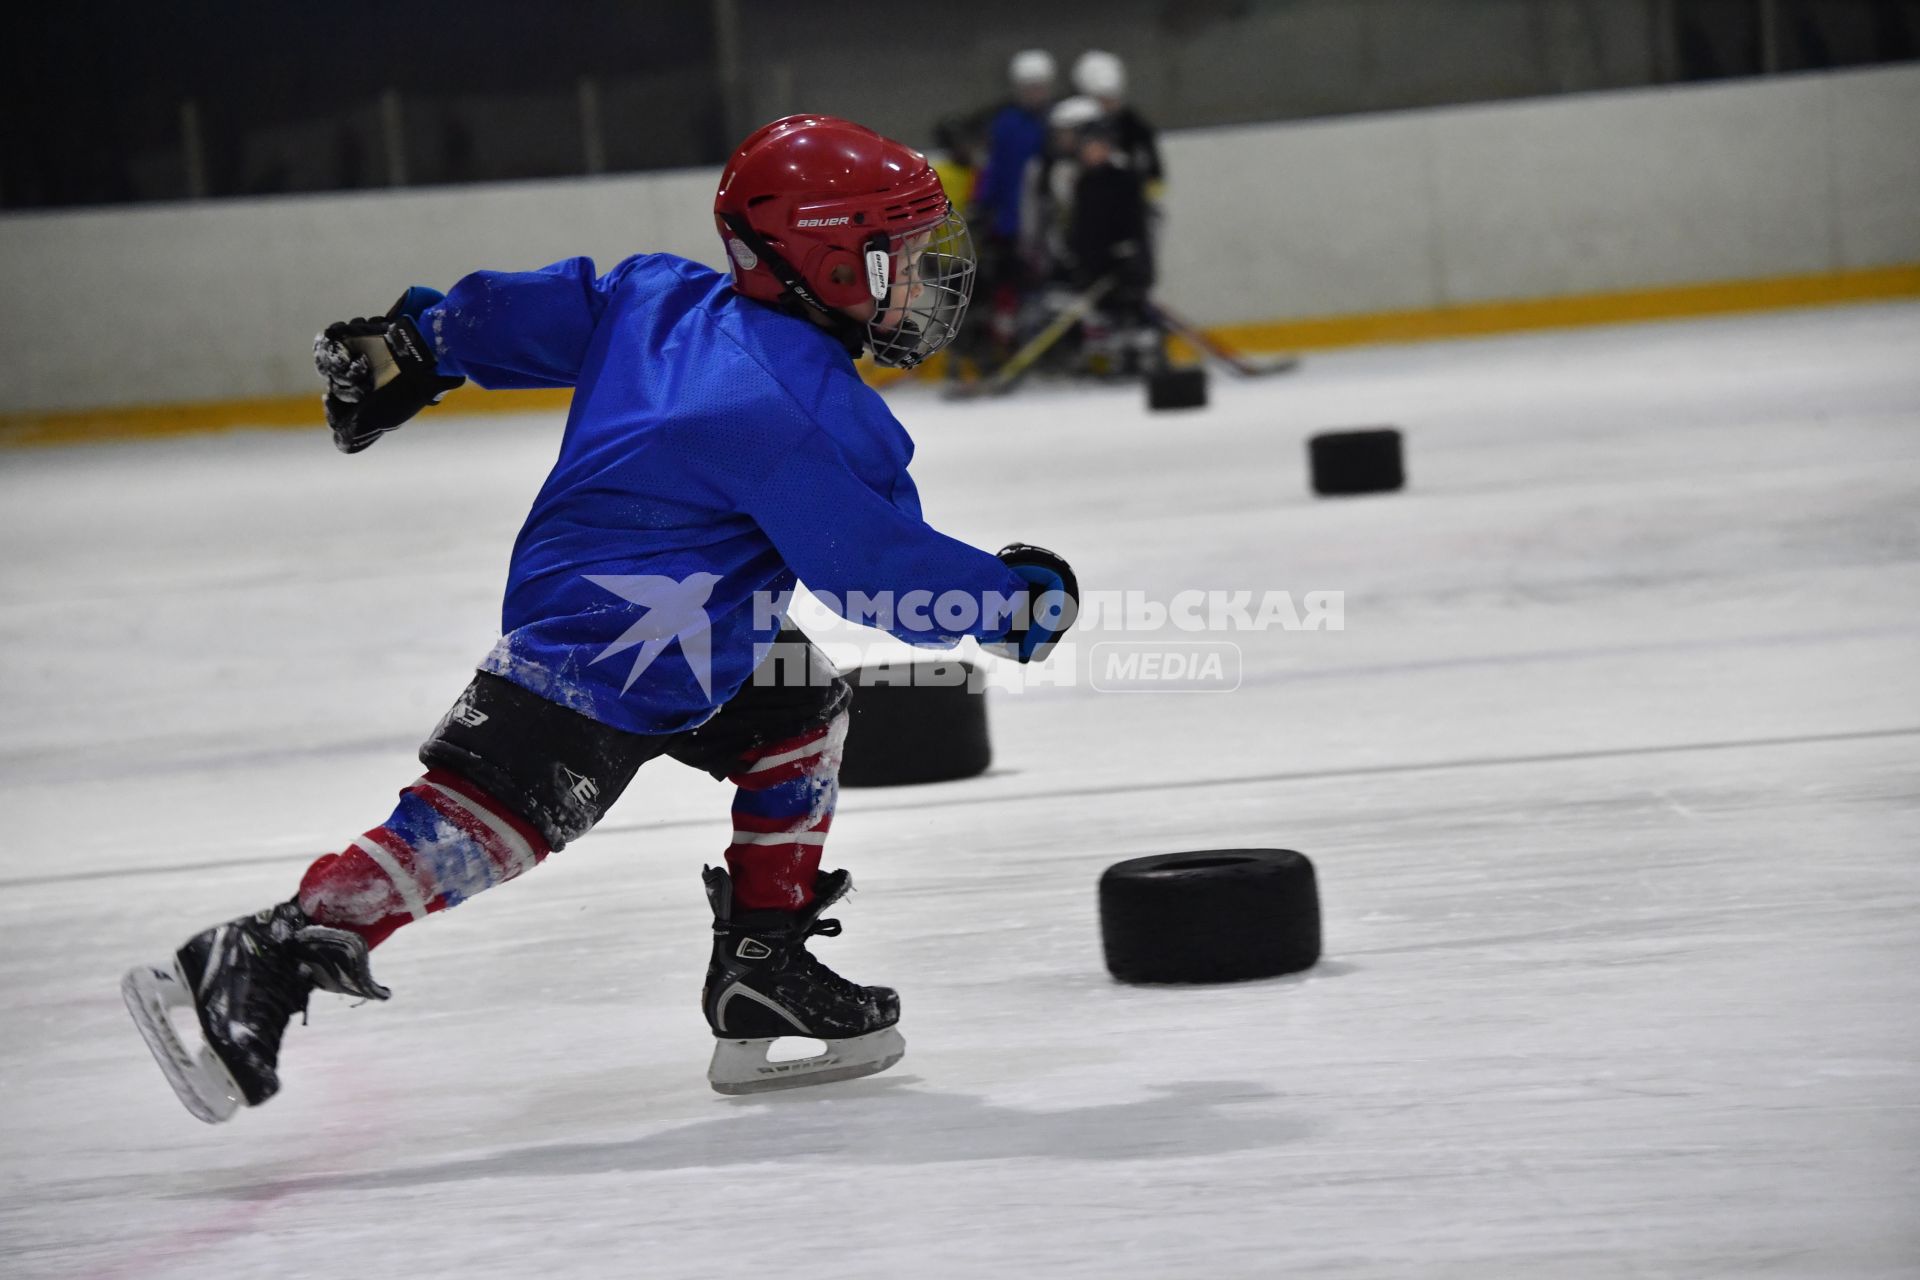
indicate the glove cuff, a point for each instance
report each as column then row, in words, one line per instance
column 1053, row 600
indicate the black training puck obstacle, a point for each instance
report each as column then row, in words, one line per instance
column 915, row 722
column 1362, row 461
column 1217, row 915
column 1177, row 388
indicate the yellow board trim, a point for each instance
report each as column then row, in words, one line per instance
column 1670, row 303
column 79, row 426
column 1316, row 333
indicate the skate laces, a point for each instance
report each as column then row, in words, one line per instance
column 271, row 1002
column 813, row 967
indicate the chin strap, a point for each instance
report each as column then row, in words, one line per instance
column 800, row 299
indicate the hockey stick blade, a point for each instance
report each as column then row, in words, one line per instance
column 1008, row 375
column 1246, row 366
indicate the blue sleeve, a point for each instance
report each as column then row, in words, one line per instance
column 1006, row 165
column 840, row 537
column 521, row 328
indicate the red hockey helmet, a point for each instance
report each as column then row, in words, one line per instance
column 829, row 212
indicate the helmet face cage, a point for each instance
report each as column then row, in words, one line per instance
column 920, row 302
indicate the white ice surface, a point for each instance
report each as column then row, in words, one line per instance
column 1611, row 781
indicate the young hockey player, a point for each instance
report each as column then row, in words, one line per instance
column 1108, row 238
column 1103, row 77
column 1048, row 200
column 1016, row 133
column 720, row 445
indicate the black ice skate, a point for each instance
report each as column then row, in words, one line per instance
column 763, row 983
column 244, row 979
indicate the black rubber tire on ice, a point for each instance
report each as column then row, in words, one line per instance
column 914, row 722
column 1177, row 389
column 1215, row 915
column 1363, row 461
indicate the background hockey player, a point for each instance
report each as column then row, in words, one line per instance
column 1047, row 204
column 960, row 152
column 1017, row 134
column 1103, row 77
column 720, row 445
column 1109, row 240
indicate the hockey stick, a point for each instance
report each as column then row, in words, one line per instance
column 1244, row 365
column 1004, row 378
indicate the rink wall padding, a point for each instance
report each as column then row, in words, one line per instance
column 1625, row 307
column 1580, row 209
column 121, row 422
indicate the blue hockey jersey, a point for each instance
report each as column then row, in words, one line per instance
column 1014, row 138
column 716, row 449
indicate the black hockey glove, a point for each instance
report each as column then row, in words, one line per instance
column 1053, row 602
column 379, row 372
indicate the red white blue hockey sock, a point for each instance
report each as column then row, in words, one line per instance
column 781, row 814
column 446, row 841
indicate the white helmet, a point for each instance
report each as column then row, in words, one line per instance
column 1100, row 74
column 1075, row 113
column 1031, row 67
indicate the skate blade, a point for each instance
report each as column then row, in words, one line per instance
column 741, row 1066
column 204, row 1085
